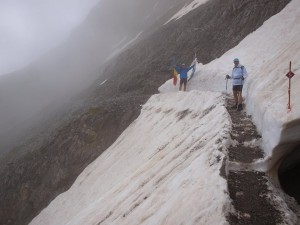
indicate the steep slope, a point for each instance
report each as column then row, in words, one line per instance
column 51, row 81
column 127, row 86
column 157, row 170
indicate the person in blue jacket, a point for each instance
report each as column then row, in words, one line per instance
column 183, row 71
column 238, row 75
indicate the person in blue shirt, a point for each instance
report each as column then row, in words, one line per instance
column 238, row 76
column 183, row 71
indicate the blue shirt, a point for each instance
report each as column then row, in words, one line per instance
column 183, row 71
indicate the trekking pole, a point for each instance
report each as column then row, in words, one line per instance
column 226, row 82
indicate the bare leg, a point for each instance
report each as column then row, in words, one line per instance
column 240, row 101
column 240, row 97
column 184, row 87
column 180, row 86
column 236, row 97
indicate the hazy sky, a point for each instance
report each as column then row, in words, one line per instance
column 29, row 27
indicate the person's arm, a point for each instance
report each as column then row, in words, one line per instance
column 191, row 67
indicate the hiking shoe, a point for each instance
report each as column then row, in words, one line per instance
column 240, row 107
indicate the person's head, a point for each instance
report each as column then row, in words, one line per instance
column 236, row 61
column 182, row 64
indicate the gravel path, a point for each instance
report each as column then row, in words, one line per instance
column 248, row 188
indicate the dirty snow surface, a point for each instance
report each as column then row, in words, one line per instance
column 166, row 168
column 157, row 170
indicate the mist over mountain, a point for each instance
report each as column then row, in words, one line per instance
column 28, row 29
column 61, row 94
column 47, row 85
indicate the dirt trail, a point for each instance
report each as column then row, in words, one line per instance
column 248, row 188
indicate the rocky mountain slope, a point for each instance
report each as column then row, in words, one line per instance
column 52, row 163
column 46, row 86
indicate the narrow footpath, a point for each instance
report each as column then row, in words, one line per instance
column 249, row 189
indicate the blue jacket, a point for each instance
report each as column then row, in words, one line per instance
column 183, row 71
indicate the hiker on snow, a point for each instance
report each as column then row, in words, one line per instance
column 238, row 75
column 183, row 71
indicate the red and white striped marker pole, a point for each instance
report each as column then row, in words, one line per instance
column 290, row 74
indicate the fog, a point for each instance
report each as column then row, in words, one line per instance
column 29, row 28
column 57, row 49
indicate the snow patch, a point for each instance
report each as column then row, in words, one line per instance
column 186, row 9
column 103, row 82
column 253, row 143
column 119, row 49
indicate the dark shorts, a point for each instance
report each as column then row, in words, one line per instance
column 183, row 81
column 237, row 87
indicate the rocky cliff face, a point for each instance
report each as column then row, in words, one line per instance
column 29, row 182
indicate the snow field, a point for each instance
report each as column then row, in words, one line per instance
column 158, row 171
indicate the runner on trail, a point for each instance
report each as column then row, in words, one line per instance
column 238, row 75
column 183, row 71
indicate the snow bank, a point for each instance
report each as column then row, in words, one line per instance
column 269, row 51
column 266, row 54
column 163, row 169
